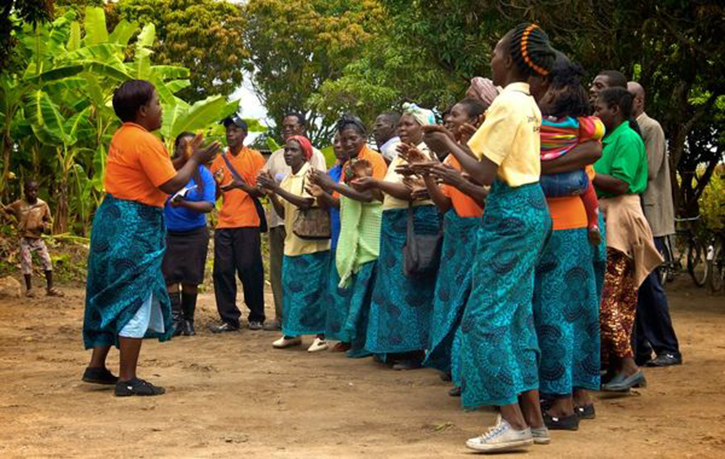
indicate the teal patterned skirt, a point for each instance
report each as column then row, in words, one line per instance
column 452, row 287
column 566, row 314
column 304, row 287
column 401, row 306
column 128, row 242
column 356, row 325
column 499, row 349
column 338, row 305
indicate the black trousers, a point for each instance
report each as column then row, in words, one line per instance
column 653, row 325
column 238, row 252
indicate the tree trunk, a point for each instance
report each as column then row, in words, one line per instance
column 61, row 217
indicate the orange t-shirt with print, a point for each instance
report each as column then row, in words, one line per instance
column 137, row 164
column 568, row 212
column 464, row 205
column 238, row 210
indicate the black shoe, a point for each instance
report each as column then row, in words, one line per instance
column 224, row 327
column 408, row 364
column 455, row 391
column 99, row 375
column 570, row 422
column 665, row 360
column 189, row 328
column 620, row 383
column 137, row 386
column 178, row 327
column 255, row 325
column 585, row 412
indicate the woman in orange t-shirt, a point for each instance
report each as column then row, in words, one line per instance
column 126, row 296
column 462, row 203
column 566, row 294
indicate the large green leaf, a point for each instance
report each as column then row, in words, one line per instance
column 79, row 126
column 101, row 69
column 95, row 23
column 110, row 53
column 147, row 36
column 99, row 167
column 123, row 32
column 55, row 74
column 177, row 85
column 201, row 114
column 74, row 42
column 46, row 120
column 168, row 72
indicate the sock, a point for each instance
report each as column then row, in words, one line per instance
column 188, row 305
column 175, row 305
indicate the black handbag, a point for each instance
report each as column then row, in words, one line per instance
column 421, row 252
column 257, row 204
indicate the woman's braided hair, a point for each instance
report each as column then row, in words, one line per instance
column 530, row 48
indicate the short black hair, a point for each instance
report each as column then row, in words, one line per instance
column 531, row 50
column 624, row 100
column 615, row 77
column 130, row 96
column 394, row 117
column 573, row 99
column 619, row 97
column 28, row 182
column 474, row 107
column 351, row 121
column 300, row 118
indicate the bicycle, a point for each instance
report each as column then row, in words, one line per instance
column 688, row 244
column 716, row 262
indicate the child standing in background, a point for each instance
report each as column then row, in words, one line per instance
column 34, row 219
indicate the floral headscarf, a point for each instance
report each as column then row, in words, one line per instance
column 423, row 116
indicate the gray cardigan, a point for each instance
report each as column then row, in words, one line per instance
column 657, row 199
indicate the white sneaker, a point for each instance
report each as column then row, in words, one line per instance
column 501, row 437
column 318, row 345
column 284, row 342
column 541, row 435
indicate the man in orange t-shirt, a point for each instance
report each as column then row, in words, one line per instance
column 237, row 240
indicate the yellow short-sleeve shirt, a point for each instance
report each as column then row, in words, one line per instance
column 510, row 136
column 293, row 245
column 390, row 202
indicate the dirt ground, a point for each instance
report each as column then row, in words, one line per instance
column 233, row 395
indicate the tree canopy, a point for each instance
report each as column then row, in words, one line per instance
column 203, row 35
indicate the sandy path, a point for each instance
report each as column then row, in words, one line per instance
column 233, row 395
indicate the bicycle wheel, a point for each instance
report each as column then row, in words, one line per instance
column 717, row 268
column 666, row 271
column 696, row 262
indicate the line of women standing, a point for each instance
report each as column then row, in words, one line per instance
column 512, row 313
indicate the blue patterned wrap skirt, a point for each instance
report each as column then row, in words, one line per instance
column 566, row 314
column 499, row 350
column 338, row 305
column 401, row 306
column 128, row 242
column 304, row 287
column 453, row 287
column 356, row 325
